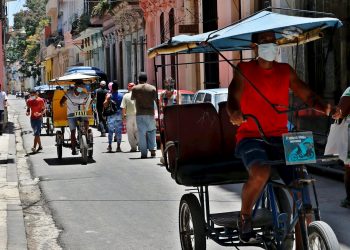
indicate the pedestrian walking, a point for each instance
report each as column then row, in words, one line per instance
column 114, row 118
column 145, row 96
column 3, row 105
column 36, row 109
column 110, row 91
column 337, row 142
column 167, row 98
column 101, row 93
column 129, row 113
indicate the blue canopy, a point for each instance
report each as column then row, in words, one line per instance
column 86, row 70
column 289, row 30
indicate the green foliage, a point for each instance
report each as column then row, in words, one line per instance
column 100, row 8
column 26, row 47
column 84, row 22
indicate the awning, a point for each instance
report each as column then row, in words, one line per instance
column 290, row 30
column 88, row 33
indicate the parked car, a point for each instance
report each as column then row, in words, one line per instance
column 214, row 96
column 122, row 91
column 186, row 96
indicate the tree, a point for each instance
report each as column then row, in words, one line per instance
column 25, row 47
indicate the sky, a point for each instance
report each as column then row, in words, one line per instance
column 14, row 7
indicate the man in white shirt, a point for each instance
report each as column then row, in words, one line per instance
column 75, row 98
column 129, row 112
column 3, row 105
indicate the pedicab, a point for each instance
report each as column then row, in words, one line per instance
column 60, row 120
column 200, row 154
column 46, row 92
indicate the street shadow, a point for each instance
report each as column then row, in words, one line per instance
column 9, row 129
column 47, row 135
column 35, row 153
column 235, row 188
column 26, row 132
column 139, row 158
column 66, row 161
column 7, row 161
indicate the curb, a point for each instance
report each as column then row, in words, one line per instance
column 13, row 227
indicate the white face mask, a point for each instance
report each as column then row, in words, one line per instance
column 268, row 51
column 33, row 97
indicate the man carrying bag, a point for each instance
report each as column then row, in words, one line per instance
column 338, row 140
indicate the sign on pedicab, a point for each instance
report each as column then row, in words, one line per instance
column 299, row 148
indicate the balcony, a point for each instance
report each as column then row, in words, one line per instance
column 51, row 7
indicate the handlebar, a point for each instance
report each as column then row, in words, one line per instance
column 324, row 159
column 86, row 103
column 261, row 131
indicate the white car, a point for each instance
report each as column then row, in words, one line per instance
column 214, row 96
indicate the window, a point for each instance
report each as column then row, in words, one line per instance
column 207, row 98
column 186, row 98
column 199, row 97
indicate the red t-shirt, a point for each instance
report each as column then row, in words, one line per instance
column 274, row 85
column 36, row 106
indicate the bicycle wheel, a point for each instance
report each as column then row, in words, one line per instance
column 322, row 237
column 59, row 151
column 191, row 224
column 283, row 207
column 84, row 149
column 48, row 126
column 59, row 143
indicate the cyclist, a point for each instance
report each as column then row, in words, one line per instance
column 269, row 77
column 74, row 98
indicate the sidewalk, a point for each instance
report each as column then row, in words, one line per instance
column 12, row 231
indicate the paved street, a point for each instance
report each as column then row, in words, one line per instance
column 119, row 201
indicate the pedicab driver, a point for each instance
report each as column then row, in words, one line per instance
column 273, row 80
column 75, row 97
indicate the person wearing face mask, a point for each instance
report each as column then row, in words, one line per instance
column 36, row 109
column 74, row 98
column 272, row 80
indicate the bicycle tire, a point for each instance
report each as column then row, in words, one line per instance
column 59, row 145
column 190, row 212
column 59, row 152
column 47, row 126
column 283, row 206
column 320, row 232
column 84, row 149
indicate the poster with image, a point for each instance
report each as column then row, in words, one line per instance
column 299, row 148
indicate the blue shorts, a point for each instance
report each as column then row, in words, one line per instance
column 36, row 126
column 255, row 150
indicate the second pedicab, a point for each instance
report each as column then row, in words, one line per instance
column 83, row 115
